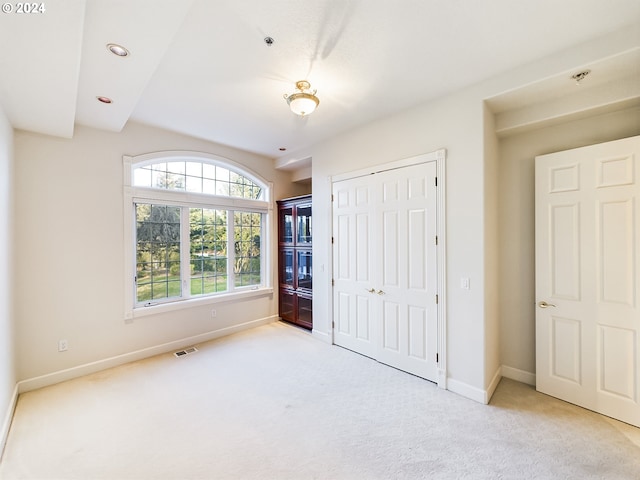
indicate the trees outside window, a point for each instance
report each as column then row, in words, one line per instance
column 208, row 252
column 157, row 252
column 247, row 228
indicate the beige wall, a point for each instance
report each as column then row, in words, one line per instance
column 516, row 212
column 70, row 250
column 492, row 253
column 7, row 349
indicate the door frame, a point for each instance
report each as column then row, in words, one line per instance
column 439, row 157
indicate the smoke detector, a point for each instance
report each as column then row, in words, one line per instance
column 578, row 77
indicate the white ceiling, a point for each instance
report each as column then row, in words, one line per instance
column 201, row 67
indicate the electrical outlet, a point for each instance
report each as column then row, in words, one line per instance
column 63, row 345
column 214, row 313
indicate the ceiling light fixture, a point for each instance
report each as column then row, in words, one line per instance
column 304, row 101
column 104, row 99
column 118, row 50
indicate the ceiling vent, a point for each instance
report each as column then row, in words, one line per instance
column 186, row 351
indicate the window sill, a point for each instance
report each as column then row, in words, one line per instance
column 139, row 312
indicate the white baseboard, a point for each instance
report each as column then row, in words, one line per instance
column 466, row 390
column 93, row 367
column 473, row 393
column 519, row 375
column 484, row 396
column 8, row 417
column 493, row 385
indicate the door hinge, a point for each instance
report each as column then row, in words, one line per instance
column 436, row 239
column 331, row 240
column 436, row 181
column 436, row 299
column 333, row 324
column 332, row 197
column 333, row 282
column 437, row 358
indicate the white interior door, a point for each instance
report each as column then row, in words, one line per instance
column 353, row 261
column 587, row 277
column 385, row 271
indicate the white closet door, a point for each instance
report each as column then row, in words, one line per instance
column 385, row 267
column 353, row 261
column 587, row 277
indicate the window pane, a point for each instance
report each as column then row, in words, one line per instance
column 158, row 179
column 194, row 169
column 196, row 286
column 143, row 293
column 157, row 252
column 222, row 174
column 142, row 177
column 208, row 237
column 200, row 177
column 197, row 266
column 222, row 188
column 144, row 253
column 194, row 184
column 142, row 212
column 175, row 167
column 175, row 181
column 247, row 231
column 208, row 186
column 174, row 288
column 235, row 177
column 208, row 171
column 159, row 290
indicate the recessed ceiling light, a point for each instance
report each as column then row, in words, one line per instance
column 104, row 99
column 118, row 50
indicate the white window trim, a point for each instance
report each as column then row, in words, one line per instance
column 134, row 195
column 251, row 292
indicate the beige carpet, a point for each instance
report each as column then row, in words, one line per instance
column 274, row 403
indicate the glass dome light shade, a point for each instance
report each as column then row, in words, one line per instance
column 302, row 103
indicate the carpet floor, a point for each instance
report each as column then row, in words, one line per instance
column 275, row 403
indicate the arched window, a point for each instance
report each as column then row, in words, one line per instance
column 197, row 229
column 198, row 177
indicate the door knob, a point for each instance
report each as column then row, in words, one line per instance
column 380, row 292
column 544, row 304
column 372, row 290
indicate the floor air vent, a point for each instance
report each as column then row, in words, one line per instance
column 186, row 351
